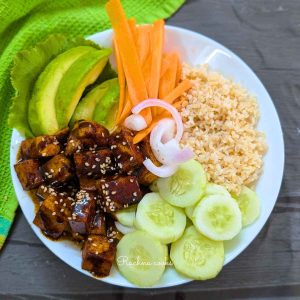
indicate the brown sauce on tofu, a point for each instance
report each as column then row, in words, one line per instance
column 75, row 180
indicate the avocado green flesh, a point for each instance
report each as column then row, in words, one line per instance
column 82, row 73
column 105, row 111
column 86, row 106
column 41, row 112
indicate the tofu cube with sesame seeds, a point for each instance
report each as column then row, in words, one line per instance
column 58, row 169
column 128, row 155
column 40, row 146
column 144, row 176
column 53, row 215
column 62, row 135
column 82, row 212
column 112, row 233
column 88, row 184
column 98, row 255
column 98, row 224
column 29, row 173
column 95, row 164
column 87, row 135
column 119, row 192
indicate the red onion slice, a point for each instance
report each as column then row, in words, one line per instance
column 162, row 171
column 135, row 122
column 160, row 103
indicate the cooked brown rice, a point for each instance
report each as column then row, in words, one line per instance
column 220, row 120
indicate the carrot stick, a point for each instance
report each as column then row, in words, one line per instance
column 182, row 87
column 179, row 70
column 127, row 108
column 157, row 35
column 121, row 78
column 124, row 38
column 168, row 79
column 143, row 42
column 133, row 28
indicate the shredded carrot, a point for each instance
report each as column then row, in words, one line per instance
column 168, row 79
column 132, row 68
column 121, row 78
column 132, row 25
column 157, row 35
column 179, row 70
column 182, row 87
column 143, row 42
column 127, row 108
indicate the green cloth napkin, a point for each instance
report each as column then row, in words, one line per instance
column 23, row 24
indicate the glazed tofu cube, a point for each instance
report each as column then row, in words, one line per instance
column 44, row 191
column 88, row 184
column 128, row 155
column 53, row 215
column 119, row 192
column 40, row 146
column 113, row 234
column 94, row 164
column 58, row 169
column 87, row 135
column 82, row 212
column 62, row 136
column 144, row 176
column 98, row 255
column 98, row 224
column 29, row 174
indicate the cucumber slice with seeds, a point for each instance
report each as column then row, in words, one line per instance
column 126, row 216
column 141, row 258
column 213, row 189
column 160, row 219
column 185, row 187
column 218, row 217
column 249, row 205
column 189, row 211
column 196, row 256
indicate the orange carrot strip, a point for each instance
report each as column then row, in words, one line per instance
column 121, row 78
column 179, row 70
column 133, row 28
column 168, row 79
column 124, row 38
column 182, row 87
column 157, row 41
column 126, row 109
column 143, row 42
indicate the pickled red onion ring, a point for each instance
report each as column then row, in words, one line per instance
column 162, row 171
column 160, row 103
column 135, row 122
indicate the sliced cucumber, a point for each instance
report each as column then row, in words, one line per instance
column 160, row 219
column 189, row 211
column 196, row 256
column 185, row 187
column 213, row 189
column 249, row 205
column 124, row 229
column 141, row 258
column 218, row 217
column 126, row 216
column 153, row 187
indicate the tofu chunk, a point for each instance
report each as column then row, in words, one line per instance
column 62, row 136
column 29, row 174
column 128, row 155
column 98, row 224
column 82, row 212
column 87, row 135
column 95, row 164
column 58, row 169
column 88, row 184
column 119, row 192
column 53, row 215
column 98, row 255
column 113, row 234
column 40, row 147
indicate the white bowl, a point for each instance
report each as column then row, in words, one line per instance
column 194, row 49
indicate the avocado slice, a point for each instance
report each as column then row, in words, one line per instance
column 106, row 109
column 41, row 109
column 86, row 106
column 82, row 73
